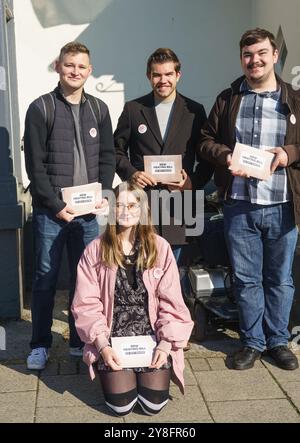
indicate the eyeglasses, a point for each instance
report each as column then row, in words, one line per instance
column 132, row 207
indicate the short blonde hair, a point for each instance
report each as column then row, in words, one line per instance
column 73, row 48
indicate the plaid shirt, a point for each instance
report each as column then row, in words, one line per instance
column 261, row 123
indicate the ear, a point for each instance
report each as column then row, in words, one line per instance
column 90, row 69
column 178, row 76
column 276, row 55
column 56, row 66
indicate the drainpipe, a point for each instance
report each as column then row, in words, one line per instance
column 11, row 211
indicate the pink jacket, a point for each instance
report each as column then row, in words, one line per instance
column 94, row 299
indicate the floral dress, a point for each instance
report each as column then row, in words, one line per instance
column 130, row 314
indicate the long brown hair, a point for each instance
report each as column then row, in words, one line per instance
column 144, row 232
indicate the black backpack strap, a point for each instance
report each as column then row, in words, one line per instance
column 48, row 104
column 48, row 108
column 95, row 108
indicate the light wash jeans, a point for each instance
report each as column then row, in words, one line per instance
column 261, row 241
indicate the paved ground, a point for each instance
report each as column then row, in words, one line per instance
column 215, row 393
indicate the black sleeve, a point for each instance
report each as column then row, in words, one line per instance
column 122, row 137
column 204, row 169
column 107, row 158
column 210, row 146
column 35, row 150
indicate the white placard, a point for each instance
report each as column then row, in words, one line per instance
column 254, row 161
column 136, row 351
column 83, row 198
column 163, row 167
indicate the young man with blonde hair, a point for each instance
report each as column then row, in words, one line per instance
column 68, row 142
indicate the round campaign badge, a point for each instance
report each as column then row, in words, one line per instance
column 158, row 273
column 293, row 119
column 93, row 132
column 142, row 129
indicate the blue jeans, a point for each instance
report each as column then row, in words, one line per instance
column 50, row 235
column 177, row 249
column 261, row 240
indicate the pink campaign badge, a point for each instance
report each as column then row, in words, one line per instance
column 142, row 129
column 158, row 273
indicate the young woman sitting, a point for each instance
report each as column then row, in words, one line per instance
column 128, row 285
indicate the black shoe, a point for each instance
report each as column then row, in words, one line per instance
column 245, row 358
column 284, row 358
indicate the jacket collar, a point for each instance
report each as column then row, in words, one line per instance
column 236, row 87
column 148, row 110
column 58, row 91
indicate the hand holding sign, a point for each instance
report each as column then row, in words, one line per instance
column 164, row 168
column 235, row 172
column 135, row 351
column 143, row 179
column 83, row 199
column 248, row 161
column 159, row 359
column 110, row 358
column 67, row 214
column 184, row 185
column 281, row 158
column 101, row 208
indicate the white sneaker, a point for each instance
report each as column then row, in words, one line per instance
column 37, row 358
column 76, row 352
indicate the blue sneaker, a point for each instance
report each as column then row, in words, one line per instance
column 37, row 358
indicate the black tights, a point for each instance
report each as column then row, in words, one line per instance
column 123, row 389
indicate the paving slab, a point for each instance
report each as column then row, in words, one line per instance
column 189, row 377
column 281, row 375
column 180, row 409
column 254, row 411
column 213, row 348
column 238, row 385
column 69, row 390
column 17, row 407
column 64, row 393
column 199, row 364
column 18, row 335
column 83, row 368
column 75, row 414
column 17, row 378
column 68, row 367
column 293, row 391
column 50, row 369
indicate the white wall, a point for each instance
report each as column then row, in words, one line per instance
column 121, row 34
